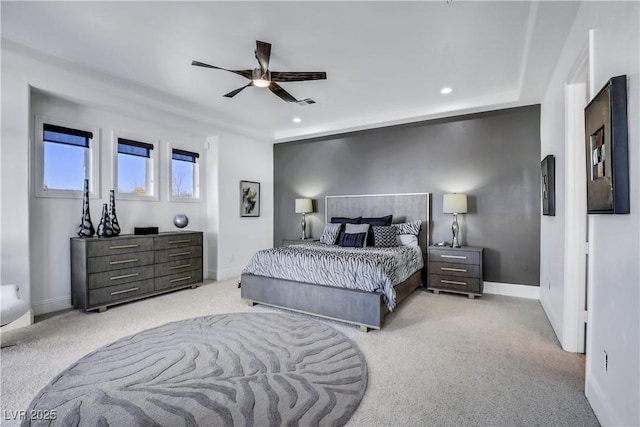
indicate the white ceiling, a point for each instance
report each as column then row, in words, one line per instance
column 385, row 61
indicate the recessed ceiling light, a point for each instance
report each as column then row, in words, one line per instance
column 446, row 90
column 297, row 120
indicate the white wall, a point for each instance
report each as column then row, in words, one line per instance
column 240, row 237
column 35, row 231
column 614, row 295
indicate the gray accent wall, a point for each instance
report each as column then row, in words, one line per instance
column 493, row 157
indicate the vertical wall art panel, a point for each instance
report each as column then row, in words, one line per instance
column 548, row 185
column 249, row 198
column 606, row 135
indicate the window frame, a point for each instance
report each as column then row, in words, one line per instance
column 92, row 160
column 197, row 176
column 153, row 181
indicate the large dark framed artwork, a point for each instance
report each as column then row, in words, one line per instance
column 548, row 185
column 606, row 136
column 249, row 198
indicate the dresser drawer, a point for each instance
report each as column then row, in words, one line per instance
column 113, row 246
column 178, row 266
column 177, row 241
column 115, row 293
column 454, row 256
column 166, row 255
column 178, row 279
column 118, row 277
column 453, row 269
column 119, row 261
column 462, row 284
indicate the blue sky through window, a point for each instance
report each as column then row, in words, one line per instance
column 132, row 174
column 64, row 166
column 182, row 178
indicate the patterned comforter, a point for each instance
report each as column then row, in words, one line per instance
column 368, row 269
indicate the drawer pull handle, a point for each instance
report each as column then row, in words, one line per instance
column 181, row 253
column 180, row 279
column 452, row 282
column 180, row 266
column 460, row 270
column 179, row 241
column 123, row 246
column 124, row 261
column 124, row 291
column 453, row 256
column 124, row 276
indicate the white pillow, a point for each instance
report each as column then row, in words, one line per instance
column 407, row 240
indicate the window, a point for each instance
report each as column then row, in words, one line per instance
column 135, row 172
column 185, row 175
column 65, row 157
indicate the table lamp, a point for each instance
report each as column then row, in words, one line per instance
column 454, row 204
column 304, row 206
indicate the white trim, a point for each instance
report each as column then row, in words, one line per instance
column 38, row 161
column 51, row 305
column 601, row 405
column 512, row 290
column 152, row 178
column 226, row 274
column 22, row 321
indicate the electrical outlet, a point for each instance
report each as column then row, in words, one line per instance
column 605, row 361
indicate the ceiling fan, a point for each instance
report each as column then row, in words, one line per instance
column 262, row 77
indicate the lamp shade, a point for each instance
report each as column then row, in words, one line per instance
column 454, row 203
column 304, row 206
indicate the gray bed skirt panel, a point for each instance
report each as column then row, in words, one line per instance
column 362, row 308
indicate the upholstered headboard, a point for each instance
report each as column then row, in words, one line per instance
column 404, row 207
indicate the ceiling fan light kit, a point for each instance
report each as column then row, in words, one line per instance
column 264, row 78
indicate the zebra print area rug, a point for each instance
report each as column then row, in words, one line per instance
column 234, row 369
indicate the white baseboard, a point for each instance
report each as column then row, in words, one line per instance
column 22, row 321
column 512, row 290
column 51, row 305
column 601, row 406
column 229, row 273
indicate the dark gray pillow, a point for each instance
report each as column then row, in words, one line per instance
column 354, row 240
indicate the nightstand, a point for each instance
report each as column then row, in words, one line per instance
column 456, row 270
column 289, row 242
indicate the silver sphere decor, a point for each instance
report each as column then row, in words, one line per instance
column 180, row 221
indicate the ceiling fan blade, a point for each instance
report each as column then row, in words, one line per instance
column 294, row 76
column 283, row 94
column 263, row 54
column 237, row 91
column 243, row 73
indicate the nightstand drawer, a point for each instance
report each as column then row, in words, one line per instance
column 463, row 284
column 454, row 256
column 453, row 269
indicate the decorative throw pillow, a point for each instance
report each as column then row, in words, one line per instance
column 345, row 220
column 384, row 237
column 330, row 234
column 352, row 239
column 357, row 228
column 381, row 220
column 407, row 240
column 412, row 227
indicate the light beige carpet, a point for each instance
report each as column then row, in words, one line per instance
column 439, row 359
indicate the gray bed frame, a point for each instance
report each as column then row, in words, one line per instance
column 365, row 309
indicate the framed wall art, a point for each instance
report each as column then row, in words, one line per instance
column 249, row 198
column 607, row 160
column 548, row 185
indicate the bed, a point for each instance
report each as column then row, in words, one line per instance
column 362, row 307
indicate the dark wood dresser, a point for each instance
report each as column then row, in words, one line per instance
column 119, row 269
column 456, row 270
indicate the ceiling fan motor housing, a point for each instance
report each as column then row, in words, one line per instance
column 259, row 74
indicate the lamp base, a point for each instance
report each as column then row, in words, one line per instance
column 304, row 227
column 455, row 229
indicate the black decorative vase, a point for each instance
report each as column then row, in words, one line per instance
column 104, row 228
column 86, row 227
column 113, row 219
